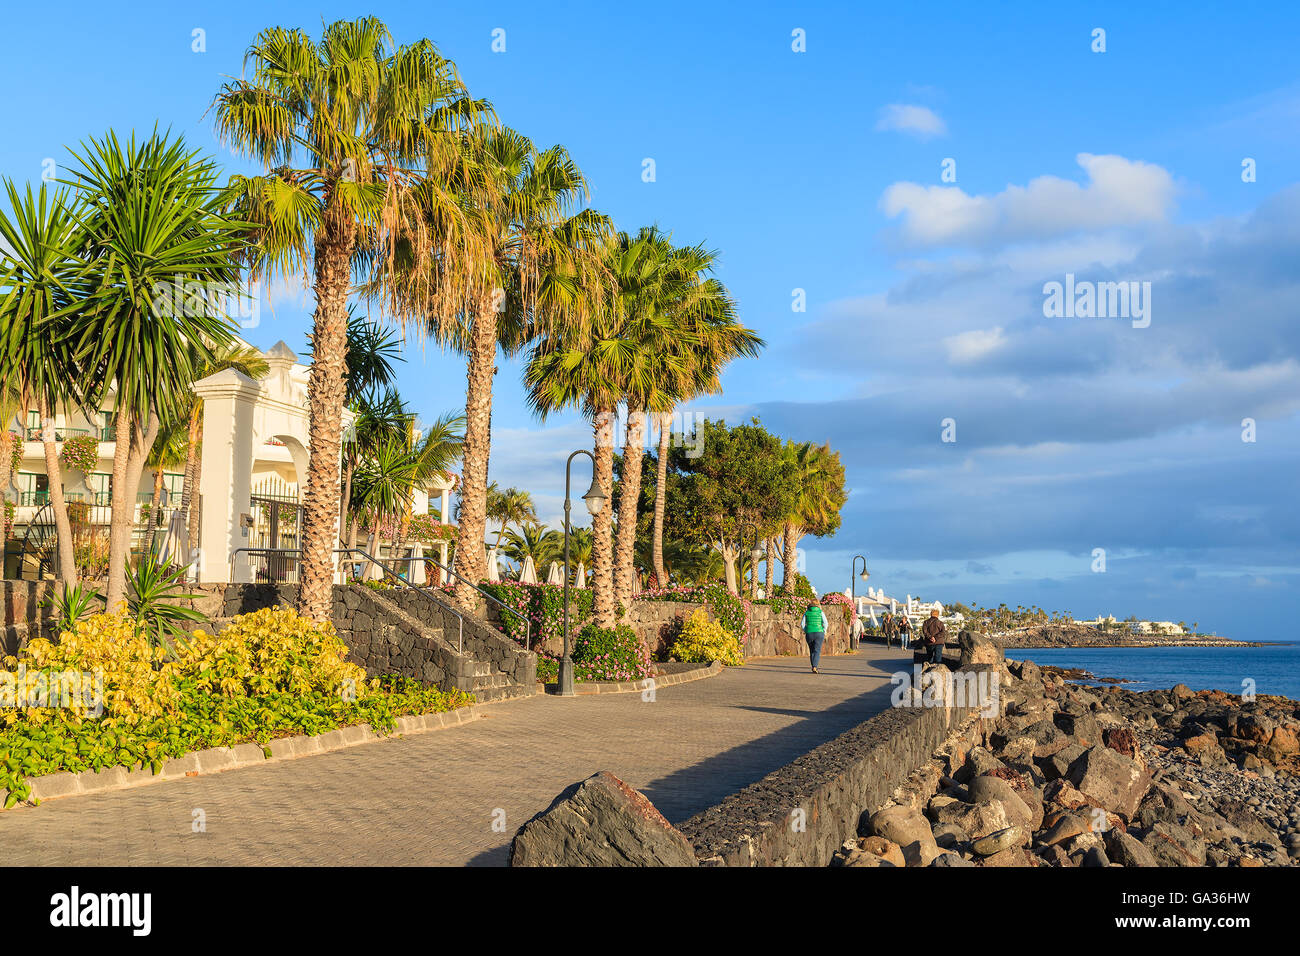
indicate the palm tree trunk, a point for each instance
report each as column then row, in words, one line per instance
column 790, row 538
column 119, row 533
column 154, row 502
column 472, row 532
column 6, row 456
column 189, row 484
column 344, row 523
column 194, row 516
column 326, row 394
column 602, row 545
column 770, row 575
column 67, row 558
column 628, row 499
column 661, row 501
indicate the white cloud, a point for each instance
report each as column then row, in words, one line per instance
column 919, row 121
column 1119, row 193
column 975, row 344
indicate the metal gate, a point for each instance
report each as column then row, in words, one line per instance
column 277, row 525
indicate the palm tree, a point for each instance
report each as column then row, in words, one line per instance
column 152, row 216
column 370, row 375
column 41, row 279
column 379, row 418
column 518, row 200
column 354, row 136
column 383, row 486
column 686, row 321
column 534, row 541
column 435, row 449
column 817, row 507
column 580, row 543
column 511, row 506
column 587, row 364
column 242, row 358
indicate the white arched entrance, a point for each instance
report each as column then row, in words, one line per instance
column 250, row 428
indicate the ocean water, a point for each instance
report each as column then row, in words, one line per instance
column 1274, row 669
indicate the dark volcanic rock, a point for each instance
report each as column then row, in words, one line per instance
column 1114, row 781
column 600, row 822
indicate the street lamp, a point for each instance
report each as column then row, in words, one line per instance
column 595, row 500
column 755, row 555
column 853, row 586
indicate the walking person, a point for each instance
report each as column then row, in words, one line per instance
column 814, row 632
column 887, row 626
column 935, row 636
column 904, row 631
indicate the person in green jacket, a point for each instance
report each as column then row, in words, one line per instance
column 814, row 632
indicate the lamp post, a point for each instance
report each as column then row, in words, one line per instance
column 755, row 555
column 595, row 499
column 853, row 587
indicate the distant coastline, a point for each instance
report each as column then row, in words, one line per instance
column 1066, row 636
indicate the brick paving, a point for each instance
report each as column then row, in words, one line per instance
column 432, row 799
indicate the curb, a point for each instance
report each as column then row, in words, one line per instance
column 588, row 688
column 217, row 759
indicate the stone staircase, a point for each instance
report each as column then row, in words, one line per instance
column 490, row 684
column 400, row 631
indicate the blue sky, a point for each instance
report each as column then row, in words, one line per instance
column 821, row 171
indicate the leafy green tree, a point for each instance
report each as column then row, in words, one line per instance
column 742, row 476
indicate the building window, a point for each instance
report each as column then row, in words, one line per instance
column 173, row 485
column 101, row 488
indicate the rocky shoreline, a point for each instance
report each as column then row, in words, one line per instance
column 1098, row 776
column 1070, row 635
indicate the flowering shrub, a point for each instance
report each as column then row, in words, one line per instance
column 730, row 611
column 428, row 529
column 548, row 668
column 703, row 640
column 835, row 598
column 602, row 654
column 268, row 674
column 80, row 452
column 543, row 606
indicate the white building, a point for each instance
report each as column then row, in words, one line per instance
column 254, row 461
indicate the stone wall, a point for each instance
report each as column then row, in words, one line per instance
column 396, row 631
column 837, row 786
column 481, row 642
column 23, row 617
column 771, row 634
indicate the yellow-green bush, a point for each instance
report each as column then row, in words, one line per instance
column 268, row 674
column 704, row 640
column 267, row 650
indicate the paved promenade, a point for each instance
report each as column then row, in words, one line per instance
column 434, row 798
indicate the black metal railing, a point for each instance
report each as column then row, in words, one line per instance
column 281, row 566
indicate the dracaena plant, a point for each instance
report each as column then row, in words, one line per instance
column 153, row 589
